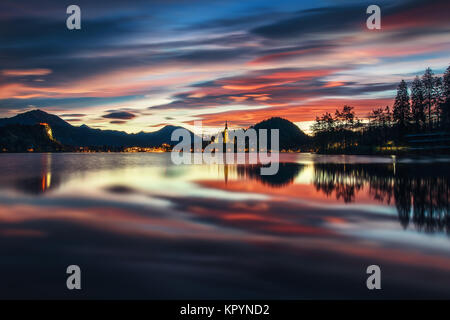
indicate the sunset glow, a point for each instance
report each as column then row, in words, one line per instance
column 236, row 61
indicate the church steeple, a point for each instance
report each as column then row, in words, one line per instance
column 225, row 133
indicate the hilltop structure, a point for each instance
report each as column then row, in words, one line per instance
column 47, row 129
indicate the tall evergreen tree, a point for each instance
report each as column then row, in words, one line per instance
column 387, row 116
column 438, row 98
column 417, row 102
column 446, row 97
column 428, row 92
column 402, row 105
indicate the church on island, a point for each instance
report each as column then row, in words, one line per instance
column 225, row 133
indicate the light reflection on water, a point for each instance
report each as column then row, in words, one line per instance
column 141, row 227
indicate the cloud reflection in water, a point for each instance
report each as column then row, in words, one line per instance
column 143, row 228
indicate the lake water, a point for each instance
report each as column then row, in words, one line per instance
column 141, row 227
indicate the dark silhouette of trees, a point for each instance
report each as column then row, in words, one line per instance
column 401, row 105
column 338, row 132
column 417, row 103
column 438, row 99
column 345, row 121
column 323, row 129
column 346, row 117
column 428, row 92
column 419, row 119
column 379, row 128
column 445, row 107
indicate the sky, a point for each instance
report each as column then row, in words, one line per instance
column 139, row 65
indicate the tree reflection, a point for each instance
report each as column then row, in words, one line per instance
column 420, row 191
column 343, row 180
column 285, row 175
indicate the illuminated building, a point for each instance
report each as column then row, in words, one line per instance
column 225, row 133
column 48, row 130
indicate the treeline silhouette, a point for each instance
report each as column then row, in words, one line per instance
column 422, row 109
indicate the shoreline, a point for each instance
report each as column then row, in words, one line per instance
column 402, row 154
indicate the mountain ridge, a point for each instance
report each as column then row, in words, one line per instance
column 291, row 136
column 84, row 135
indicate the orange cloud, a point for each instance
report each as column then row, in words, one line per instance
column 238, row 99
column 294, row 113
column 26, row 72
column 332, row 84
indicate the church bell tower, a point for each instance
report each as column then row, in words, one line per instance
column 225, row 133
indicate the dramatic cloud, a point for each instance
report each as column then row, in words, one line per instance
column 119, row 115
column 225, row 58
column 316, row 20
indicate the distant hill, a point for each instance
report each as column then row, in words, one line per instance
column 22, row 138
column 67, row 134
column 291, row 137
column 35, row 117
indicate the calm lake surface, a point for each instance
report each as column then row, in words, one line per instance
column 141, row 227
